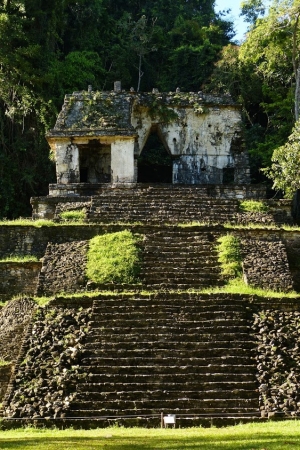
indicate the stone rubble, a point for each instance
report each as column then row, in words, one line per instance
column 46, row 380
column 278, row 361
column 63, row 268
column 14, row 317
column 265, row 264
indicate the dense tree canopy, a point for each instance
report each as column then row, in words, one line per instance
column 272, row 50
column 284, row 170
column 263, row 74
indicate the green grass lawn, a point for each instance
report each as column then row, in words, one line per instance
column 264, row 436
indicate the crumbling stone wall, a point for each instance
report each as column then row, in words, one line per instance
column 292, row 242
column 30, row 240
column 18, row 278
column 203, row 132
column 246, row 218
column 277, row 333
column 14, row 318
column 45, row 383
column 279, row 212
column 74, row 206
column 5, row 374
column 265, row 264
column 63, row 268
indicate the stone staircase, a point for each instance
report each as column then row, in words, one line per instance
column 161, row 205
column 180, row 258
column 180, row 354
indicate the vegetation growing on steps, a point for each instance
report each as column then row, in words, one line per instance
column 238, row 286
column 4, row 363
column 253, row 206
column 230, row 256
column 19, row 259
column 73, row 216
column 114, row 258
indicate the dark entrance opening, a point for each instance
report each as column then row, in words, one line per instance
column 95, row 162
column 228, row 175
column 154, row 163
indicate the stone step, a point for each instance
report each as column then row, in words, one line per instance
column 180, row 301
column 190, row 237
column 174, row 266
column 220, row 332
column 144, row 209
column 166, row 378
column 181, row 278
column 198, row 310
column 163, row 192
column 134, row 341
column 180, row 249
column 178, row 270
column 161, row 202
column 195, row 417
column 139, row 413
column 152, row 244
column 176, row 286
column 96, row 361
column 154, row 217
column 182, row 259
column 122, row 350
column 176, row 322
column 191, row 261
column 162, row 205
column 180, row 256
column 163, row 285
column 193, row 233
column 164, row 395
column 192, row 410
column 204, row 315
column 147, row 385
column 169, row 369
column 172, row 404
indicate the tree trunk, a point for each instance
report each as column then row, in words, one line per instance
column 297, row 94
column 296, row 66
column 140, row 72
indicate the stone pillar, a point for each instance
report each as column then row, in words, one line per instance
column 67, row 163
column 242, row 169
column 122, row 161
column 117, row 86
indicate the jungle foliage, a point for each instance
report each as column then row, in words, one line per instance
column 263, row 74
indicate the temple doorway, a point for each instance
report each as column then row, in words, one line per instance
column 155, row 162
column 95, row 162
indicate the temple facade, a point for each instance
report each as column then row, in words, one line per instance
column 99, row 136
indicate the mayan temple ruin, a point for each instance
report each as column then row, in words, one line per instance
column 171, row 339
